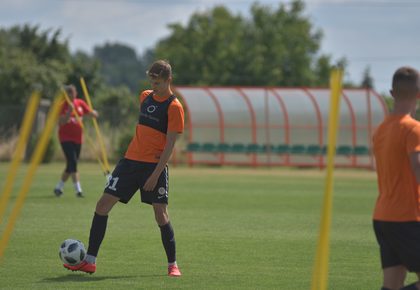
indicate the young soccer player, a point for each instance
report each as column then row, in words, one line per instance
column 396, row 219
column 144, row 167
column 70, row 134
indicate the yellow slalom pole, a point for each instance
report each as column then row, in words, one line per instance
column 96, row 126
column 92, row 146
column 69, row 102
column 24, row 132
column 79, row 120
column 320, row 271
column 35, row 161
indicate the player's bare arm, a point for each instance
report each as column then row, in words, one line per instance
column 93, row 114
column 164, row 158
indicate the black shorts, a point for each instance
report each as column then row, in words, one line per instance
column 130, row 176
column 72, row 152
column 399, row 244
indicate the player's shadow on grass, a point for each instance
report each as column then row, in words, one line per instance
column 91, row 278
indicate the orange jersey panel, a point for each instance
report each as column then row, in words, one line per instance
column 399, row 193
column 148, row 144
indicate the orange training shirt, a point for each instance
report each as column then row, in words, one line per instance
column 399, row 194
column 148, row 144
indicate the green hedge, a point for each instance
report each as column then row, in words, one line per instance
column 49, row 151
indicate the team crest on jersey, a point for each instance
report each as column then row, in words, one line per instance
column 162, row 191
column 154, row 114
column 150, row 109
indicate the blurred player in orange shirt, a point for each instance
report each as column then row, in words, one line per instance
column 396, row 219
column 144, row 166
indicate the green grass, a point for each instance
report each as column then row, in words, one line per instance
column 235, row 229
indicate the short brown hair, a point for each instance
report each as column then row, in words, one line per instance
column 405, row 75
column 71, row 89
column 160, row 69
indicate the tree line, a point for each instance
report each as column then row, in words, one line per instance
column 271, row 47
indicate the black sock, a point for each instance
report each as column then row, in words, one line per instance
column 97, row 233
column 383, row 288
column 410, row 287
column 168, row 241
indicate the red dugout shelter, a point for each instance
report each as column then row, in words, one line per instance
column 263, row 126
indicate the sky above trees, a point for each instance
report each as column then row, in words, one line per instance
column 381, row 34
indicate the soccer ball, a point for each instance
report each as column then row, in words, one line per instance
column 72, row 252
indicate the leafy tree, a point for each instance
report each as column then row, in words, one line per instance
column 205, row 50
column 120, row 65
column 42, row 44
column 118, row 105
column 290, row 44
column 147, row 58
column 31, row 59
column 273, row 47
column 367, row 81
column 21, row 73
column 84, row 65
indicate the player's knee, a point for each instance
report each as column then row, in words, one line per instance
column 71, row 169
column 161, row 216
column 103, row 207
column 100, row 209
column 162, row 220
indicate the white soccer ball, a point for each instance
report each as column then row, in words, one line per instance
column 72, row 252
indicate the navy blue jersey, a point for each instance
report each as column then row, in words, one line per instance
column 154, row 114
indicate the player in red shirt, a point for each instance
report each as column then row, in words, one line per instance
column 144, row 167
column 70, row 134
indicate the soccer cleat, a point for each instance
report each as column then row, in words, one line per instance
column 173, row 271
column 80, row 194
column 58, row 192
column 83, row 267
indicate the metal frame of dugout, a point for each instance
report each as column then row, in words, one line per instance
column 272, row 126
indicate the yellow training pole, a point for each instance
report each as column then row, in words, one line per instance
column 24, row 132
column 79, row 120
column 96, row 126
column 320, row 271
column 69, row 102
column 35, row 160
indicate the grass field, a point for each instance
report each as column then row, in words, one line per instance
column 235, row 229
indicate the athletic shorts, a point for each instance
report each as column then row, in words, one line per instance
column 130, row 176
column 72, row 152
column 399, row 244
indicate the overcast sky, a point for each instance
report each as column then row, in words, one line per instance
column 382, row 34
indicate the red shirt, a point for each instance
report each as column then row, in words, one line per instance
column 72, row 131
